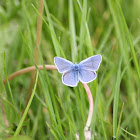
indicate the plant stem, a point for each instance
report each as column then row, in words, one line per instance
column 90, row 113
column 87, row 131
column 39, row 28
column 29, row 69
column 38, row 38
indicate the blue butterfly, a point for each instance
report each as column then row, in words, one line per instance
column 84, row 72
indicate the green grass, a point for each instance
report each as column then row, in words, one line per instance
column 74, row 30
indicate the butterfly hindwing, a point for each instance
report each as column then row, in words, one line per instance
column 62, row 64
column 70, row 78
column 86, row 76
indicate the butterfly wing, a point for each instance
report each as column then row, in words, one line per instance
column 86, row 76
column 92, row 63
column 70, row 78
column 62, row 64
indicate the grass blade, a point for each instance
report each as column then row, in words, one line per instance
column 10, row 91
column 130, row 42
column 27, row 108
column 83, row 28
column 116, row 99
column 72, row 31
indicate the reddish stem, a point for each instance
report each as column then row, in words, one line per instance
column 29, row 69
column 90, row 106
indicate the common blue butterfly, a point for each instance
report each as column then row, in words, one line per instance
column 85, row 71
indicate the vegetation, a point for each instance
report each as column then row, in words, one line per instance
column 73, row 30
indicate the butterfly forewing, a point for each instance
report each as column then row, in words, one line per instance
column 92, row 63
column 62, row 64
column 70, row 78
column 86, row 76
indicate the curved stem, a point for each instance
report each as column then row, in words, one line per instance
column 29, row 69
column 88, row 133
column 90, row 113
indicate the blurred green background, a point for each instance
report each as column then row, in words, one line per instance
column 74, row 30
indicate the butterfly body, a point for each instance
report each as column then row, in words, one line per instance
column 75, row 67
column 73, row 73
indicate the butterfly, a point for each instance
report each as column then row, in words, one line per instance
column 84, row 72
